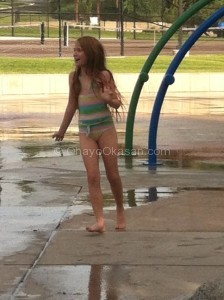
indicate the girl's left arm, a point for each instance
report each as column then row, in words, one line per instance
column 109, row 92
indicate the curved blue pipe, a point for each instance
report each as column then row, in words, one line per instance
column 169, row 79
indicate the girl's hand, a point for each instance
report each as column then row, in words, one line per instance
column 107, row 90
column 106, row 94
column 58, row 136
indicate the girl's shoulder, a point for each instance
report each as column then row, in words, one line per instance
column 106, row 74
column 71, row 74
column 71, row 77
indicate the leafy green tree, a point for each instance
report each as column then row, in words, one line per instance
column 210, row 9
column 142, row 10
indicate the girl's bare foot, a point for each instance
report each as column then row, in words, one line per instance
column 96, row 228
column 120, row 228
column 121, row 224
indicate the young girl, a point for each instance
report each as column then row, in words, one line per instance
column 94, row 93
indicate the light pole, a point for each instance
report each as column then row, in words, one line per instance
column 180, row 34
column 12, row 17
column 76, row 11
column 134, row 8
column 59, row 29
column 122, row 27
column 48, row 19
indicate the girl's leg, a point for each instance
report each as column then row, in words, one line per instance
column 90, row 154
column 109, row 146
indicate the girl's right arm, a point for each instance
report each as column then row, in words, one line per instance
column 69, row 112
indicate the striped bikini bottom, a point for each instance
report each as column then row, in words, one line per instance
column 94, row 129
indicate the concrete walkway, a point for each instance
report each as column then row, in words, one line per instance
column 174, row 239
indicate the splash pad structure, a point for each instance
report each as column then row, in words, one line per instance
column 168, row 79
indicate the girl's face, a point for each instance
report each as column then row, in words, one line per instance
column 79, row 56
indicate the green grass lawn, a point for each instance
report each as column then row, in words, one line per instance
column 133, row 64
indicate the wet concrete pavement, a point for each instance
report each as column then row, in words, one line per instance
column 174, row 239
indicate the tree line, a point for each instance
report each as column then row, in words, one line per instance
column 133, row 10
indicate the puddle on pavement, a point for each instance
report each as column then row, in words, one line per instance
column 147, row 195
column 141, row 196
column 22, row 192
column 22, row 151
column 27, row 126
column 197, row 159
column 26, row 129
column 15, row 151
column 15, row 192
column 79, row 282
column 30, row 151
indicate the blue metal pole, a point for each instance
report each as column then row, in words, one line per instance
column 169, row 79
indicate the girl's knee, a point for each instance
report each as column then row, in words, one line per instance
column 93, row 179
column 113, row 178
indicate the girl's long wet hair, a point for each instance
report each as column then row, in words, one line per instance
column 96, row 63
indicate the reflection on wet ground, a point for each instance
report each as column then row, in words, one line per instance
column 93, row 282
column 25, row 191
column 205, row 158
column 22, row 150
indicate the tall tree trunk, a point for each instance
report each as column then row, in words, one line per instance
column 77, row 11
column 98, row 8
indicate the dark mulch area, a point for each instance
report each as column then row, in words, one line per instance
column 33, row 48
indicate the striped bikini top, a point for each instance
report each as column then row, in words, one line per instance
column 92, row 110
